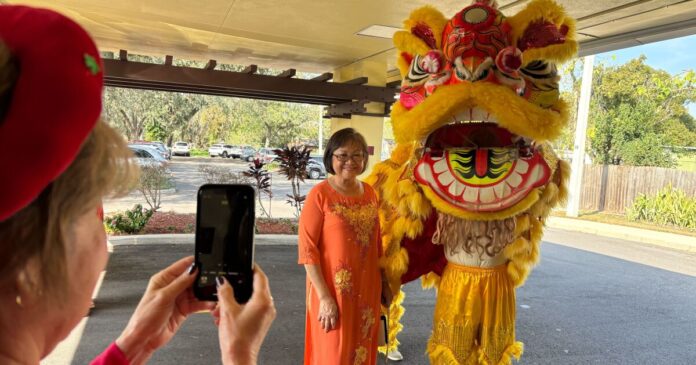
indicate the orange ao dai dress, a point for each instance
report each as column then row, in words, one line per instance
column 341, row 234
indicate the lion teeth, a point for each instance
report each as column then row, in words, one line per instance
column 487, row 195
column 471, row 194
column 521, row 166
column 514, row 180
column 445, row 178
column 499, row 190
column 456, row 189
column 440, row 166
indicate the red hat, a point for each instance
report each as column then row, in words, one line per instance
column 55, row 102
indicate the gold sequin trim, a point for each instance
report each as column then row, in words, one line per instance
column 360, row 355
column 368, row 318
column 343, row 279
column 361, row 218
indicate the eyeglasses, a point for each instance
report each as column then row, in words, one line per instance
column 358, row 157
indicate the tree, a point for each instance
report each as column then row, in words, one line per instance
column 635, row 112
column 204, row 119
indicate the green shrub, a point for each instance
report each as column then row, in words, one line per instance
column 669, row 207
column 129, row 222
column 195, row 152
column 154, row 179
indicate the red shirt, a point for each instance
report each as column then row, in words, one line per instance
column 111, row 356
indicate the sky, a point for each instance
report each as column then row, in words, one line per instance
column 674, row 56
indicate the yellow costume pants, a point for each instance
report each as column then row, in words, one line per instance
column 474, row 320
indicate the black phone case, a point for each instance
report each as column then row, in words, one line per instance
column 243, row 282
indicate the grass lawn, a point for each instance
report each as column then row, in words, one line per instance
column 623, row 221
column 687, row 162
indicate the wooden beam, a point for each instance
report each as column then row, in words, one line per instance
column 251, row 69
column 168, row 60
column 288, row 73
column 139, row 75
column 358, row 81
column 123, row 55
column 324, row 77
column 210, row 65
column 396, row 84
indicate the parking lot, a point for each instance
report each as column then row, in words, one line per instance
column 188, row 178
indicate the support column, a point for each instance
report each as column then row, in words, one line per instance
column 578, row 165
column 375, row 69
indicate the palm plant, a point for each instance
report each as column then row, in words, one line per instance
column 262, row 183
column 293, row 165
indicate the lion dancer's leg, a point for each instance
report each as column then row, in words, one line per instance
column 474, row 321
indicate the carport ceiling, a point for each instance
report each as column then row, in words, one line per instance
column 319, row 36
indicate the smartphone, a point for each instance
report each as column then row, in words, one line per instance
column 224, row 240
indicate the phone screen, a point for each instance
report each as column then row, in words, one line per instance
column 225, row 239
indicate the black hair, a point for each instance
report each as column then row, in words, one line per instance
column 340, row 139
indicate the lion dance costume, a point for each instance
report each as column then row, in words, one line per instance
column 467, row 189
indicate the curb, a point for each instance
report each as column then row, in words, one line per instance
column 188, row 239
column 663, row 239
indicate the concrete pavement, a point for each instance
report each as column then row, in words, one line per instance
column 578, row 307
column 663, row 239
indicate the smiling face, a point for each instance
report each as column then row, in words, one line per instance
column 348, row 161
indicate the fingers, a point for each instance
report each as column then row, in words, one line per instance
column 196, row 305
column 183, row 281
column 166, row 276
column 261, row 287
column 226, row 301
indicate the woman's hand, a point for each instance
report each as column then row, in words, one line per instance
column 328, row 313
column 165, row 305
column 242, row 327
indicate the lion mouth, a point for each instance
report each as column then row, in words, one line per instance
column 476, row 165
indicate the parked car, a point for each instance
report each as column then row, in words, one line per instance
column 266, row 154
column 163, row 150
column 315, row 167
column 147, row 156
column 248, row 153
column 181, row 149
column 235, row 151
column 220, row 149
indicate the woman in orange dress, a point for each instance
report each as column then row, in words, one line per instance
column 339, row 245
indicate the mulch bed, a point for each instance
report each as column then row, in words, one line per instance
column 170, row 222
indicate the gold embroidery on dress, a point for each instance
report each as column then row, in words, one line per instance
column 368, row 318
column 360, row 355
column 361, row 218
column 343, row 279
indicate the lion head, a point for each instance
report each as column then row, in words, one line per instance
column 479, row 101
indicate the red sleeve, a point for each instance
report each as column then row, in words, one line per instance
column 111, row 356
column 309, row 232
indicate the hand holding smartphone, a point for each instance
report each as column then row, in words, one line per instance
column 224, row 240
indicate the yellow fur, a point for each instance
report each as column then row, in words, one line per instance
column 409, row 43
column 557, row 53
column 403, row 65
column 395, row 312
column 429, row 16
column 404, row 204
column 512, row 112
column 549, row 11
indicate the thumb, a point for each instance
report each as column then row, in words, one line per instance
column 226, row 296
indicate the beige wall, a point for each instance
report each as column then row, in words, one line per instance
column 375, row 69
